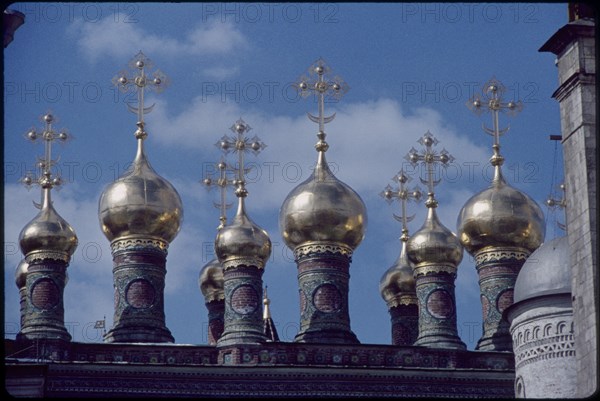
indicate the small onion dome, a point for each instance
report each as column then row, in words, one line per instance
column 398, row 281
column 140, row 203
column 323, row 209
column 243, row 240
column 546, row 271
column 211, row 281
column 48, row 231
column 21, row 274
column 434, row 243
column 501, row 216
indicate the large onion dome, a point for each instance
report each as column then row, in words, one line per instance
column 434, row 243
column 243, row 240
column 140, row 203
column 210, row 281
column 323, row 209
column 546, row 271
column 48, row 231
column 501, row 216
column 21, row 273
column 397, row 285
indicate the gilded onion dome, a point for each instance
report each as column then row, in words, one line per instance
column 21, row 273
column 243, row 240
column 323, row 209
column 501, row 216
column 434, row 243
column 140, row 203
column 397, row 285
column 211, row 281
column 48, row 231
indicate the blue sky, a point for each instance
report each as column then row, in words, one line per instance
column 410, row 68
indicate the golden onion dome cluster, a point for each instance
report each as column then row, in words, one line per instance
column 21, row 274
column 210, row 281
column 323, row 209
column 398, row 280
column 243, row 239
column 434, row 243
column 140, row 203
column 48, row 231
column 501, row 216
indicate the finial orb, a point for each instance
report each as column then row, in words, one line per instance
column 123, row 80
column 402, row 178
column 140, row 81
column 240, row 128
column 63, row 136
column 414, row 157
column 417, row 194
column 387, row 194
column 319, row 69
column 477, row 103
column 255, row 146
column 321, row 86
column 139, row 64
column 224, row 145
column 562, row 186
column 428, row 141
column 207, row 181
column 511, row 105
column 303, row 85
column 493, row 88
column 27, row 180
column 550, row 202
column 32, row 135
column 48, row 118
column 444, row 158
column 241, row 191
column 157, row 81
column 56, row 181
column 336, row 87
column 221, row 166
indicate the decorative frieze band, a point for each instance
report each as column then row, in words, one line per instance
column 423, row 270
column 403, row 299
column 556, row 347
column 122, row 244
column 499, row 254
column 316, row 248
column 43, row 254
column 242, row 261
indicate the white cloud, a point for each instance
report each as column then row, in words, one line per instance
column 115, row 37
column 221, row 72
column 368, row 142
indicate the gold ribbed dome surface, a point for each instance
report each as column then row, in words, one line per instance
column 398, row 280
column 21, row 273
column 323, row 209
column 210, row 281
column 243, row 239
column 48, row 231
column 501, row 216
column 434, row 243
column 140, row 203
